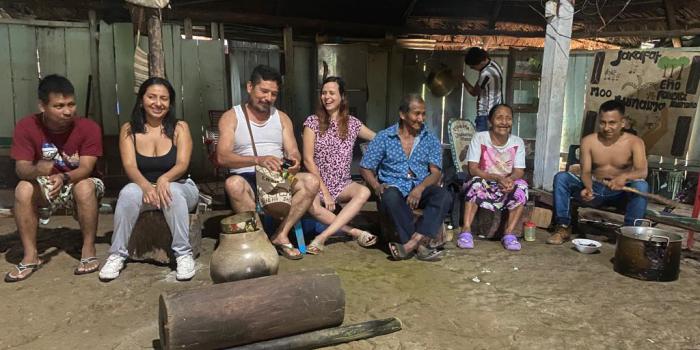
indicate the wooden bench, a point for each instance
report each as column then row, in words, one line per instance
column 546, row 199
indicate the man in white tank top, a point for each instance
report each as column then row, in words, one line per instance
column 274, row 140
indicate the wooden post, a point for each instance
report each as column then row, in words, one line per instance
column 252, row 310
column 696, row 214
column 671, row 21
column 156, row 62
column 555, row 65
column 288, row 70
column 214, row 31
column 94, row 69
column 188, row 28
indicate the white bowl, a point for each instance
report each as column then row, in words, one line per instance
column 586, row 246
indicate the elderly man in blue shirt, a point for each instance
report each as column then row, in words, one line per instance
column 403, row 166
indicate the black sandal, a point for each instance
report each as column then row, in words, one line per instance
column 424, row 253
column 398, row 253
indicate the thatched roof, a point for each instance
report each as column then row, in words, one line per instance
column 623, row 22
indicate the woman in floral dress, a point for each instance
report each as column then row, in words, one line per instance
column 329, row 137
column 497, row 163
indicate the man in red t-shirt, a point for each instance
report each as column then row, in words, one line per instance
column 55, row 154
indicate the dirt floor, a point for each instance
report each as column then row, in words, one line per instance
column 543, row 297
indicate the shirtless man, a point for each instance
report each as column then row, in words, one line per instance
column 610, row 160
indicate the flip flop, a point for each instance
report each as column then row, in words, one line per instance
column 465, row 240
column 424, row 253
column 283, row 250
column 21, row 267
column 314, row 248
column 85, row 262
column 366, row 239
column 398, row 253
column 510, row 242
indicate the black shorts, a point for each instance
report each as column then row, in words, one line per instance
column 250, row 178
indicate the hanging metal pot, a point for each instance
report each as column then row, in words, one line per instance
column 441, row 81
column 648, row 253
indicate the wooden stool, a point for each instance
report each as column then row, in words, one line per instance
column 492, row 225
column 151, row 238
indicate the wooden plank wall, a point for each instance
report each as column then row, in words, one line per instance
column 579, row 64
column 200, row 87
column 25, row 74
column 28, row 53
column 7, row 119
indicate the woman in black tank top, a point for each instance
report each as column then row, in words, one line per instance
column 155, row 149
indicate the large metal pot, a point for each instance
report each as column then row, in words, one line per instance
column 441, row 81
column 648, row 253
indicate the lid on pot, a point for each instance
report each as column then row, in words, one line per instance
column 645, row 233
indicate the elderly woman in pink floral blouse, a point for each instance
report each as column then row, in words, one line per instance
column 497, row 163
column 329, row 137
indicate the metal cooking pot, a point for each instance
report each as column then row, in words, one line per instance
column 648, row 253
column 441, row 81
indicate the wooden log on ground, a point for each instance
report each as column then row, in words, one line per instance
column 151, row 238
column 328, row 337
column 248, row 311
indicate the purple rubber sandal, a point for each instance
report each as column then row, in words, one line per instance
column 465, row 240
column 510, row 242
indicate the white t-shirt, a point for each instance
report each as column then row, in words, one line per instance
column 497, row 160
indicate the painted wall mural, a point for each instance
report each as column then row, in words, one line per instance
column 659, row 89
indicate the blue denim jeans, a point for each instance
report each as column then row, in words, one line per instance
column 481, row 123
column 567, row 185
column 435, row 202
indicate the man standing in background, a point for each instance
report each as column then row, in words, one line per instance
column 488, row 88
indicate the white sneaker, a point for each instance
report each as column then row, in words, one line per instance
column 113, row 265
column 185, row 267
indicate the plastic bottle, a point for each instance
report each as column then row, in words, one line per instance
column 529, row 231
column 44, row 215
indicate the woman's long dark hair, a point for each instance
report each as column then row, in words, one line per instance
column 138, row 115
column 324, row 119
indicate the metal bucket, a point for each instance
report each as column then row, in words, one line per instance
column 648, row 253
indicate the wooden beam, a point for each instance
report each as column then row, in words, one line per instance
column 317, row 25
column 188, row 28
column 555, row 65
column 494, row 14
column 409, row 9
column 642, row 34
column 156, row 61
column 41, row 23
column 288, row 69
column 671, row 21
column 94, row 69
